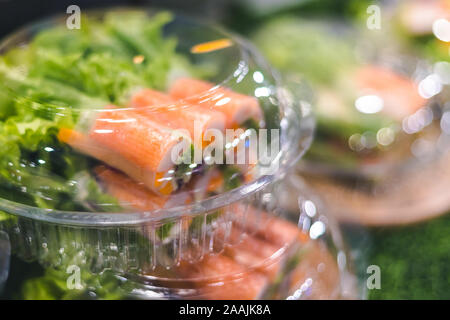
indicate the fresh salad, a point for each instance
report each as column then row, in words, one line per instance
column 89, row 122
column 85, row 111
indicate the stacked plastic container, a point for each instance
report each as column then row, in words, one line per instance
column 233, row 242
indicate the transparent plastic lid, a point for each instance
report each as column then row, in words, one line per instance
column 252, row 249
column 138, row 114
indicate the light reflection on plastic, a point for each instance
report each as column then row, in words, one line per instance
column 385, row 136
column 430, row 86
column 354, row 142
column 262, row 92
column 266, row 198
column 223, row 101
column 369, row 140
column 417, row 121
column 445, row 122
column 441, row 29
column 369, row 104
column 151, row 294
column 424, row 116
column 103, row 131
column 341, row 260
column 304, row 288
column 241, row 71
column 306, row 108
column 216, row 97
column 317, row 229
column 258, row 77
column 310, row 208
column 304, row 222
column 442, row 69
column 117, row 120
column 409, row 126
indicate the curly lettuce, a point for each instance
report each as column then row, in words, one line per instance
column 52, row 80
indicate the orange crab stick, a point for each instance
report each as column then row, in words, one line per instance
column 177, row 114
column 400, row 94
column 253, row 252
column 129, row 193
column 141, row 148
column 236, row 107
column 275, row 230
column 133, row 195
column 227, row 280
column 149, row 97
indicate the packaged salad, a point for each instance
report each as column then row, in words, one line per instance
column 146, row 150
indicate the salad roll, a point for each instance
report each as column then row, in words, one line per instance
column 134, row 144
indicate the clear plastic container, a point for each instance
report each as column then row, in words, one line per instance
column 389, row 206
column 173, row 230
column 381, row 147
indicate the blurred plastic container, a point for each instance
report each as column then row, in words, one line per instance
column 381, row 144
column 401, row 167
column 394, row 208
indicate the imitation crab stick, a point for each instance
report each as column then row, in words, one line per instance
column 237, row 107
column 128, row 141
column 244, row 270
column 272, row 229
column 177, row 114
column 133, row 195
column 281, row 236
column 128, row 192
column 149, row 97
column 224, row 278
column 400, row 94
column 251, row 251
